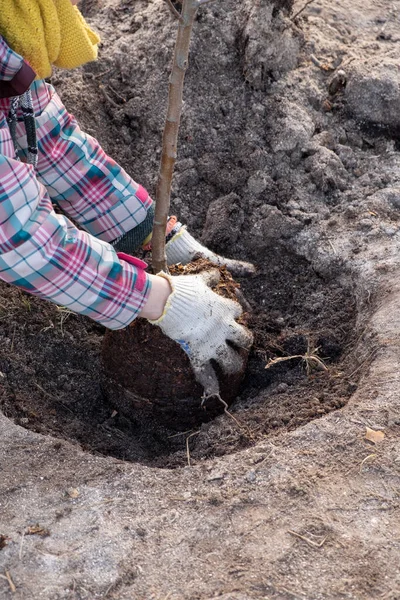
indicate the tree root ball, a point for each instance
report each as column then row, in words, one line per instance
column 146, row 375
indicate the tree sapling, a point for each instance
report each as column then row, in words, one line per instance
column 171, row 129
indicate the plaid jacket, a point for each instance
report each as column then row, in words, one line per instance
column 44, row 253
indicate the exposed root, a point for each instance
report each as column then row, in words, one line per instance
column 246, row 430
column 311, row 359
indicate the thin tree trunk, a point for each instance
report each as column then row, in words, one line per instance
column 170, row 135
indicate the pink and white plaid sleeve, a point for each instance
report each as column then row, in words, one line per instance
column 80, row 178
column 10, row 62
column 45, row 254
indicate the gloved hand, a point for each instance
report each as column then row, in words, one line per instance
column 201, row 321
column 183, row 248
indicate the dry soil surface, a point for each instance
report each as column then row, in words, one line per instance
column 289, row 156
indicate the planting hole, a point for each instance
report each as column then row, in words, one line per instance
column 51, row 370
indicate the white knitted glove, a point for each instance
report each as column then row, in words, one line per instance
column 183, row 248
column 201, row 321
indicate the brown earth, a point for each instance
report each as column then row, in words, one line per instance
column 288, row 157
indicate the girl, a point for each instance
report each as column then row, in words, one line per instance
column 46, row 160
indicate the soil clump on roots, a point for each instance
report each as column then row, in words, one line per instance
column 172, row 396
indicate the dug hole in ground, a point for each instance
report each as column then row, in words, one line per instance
column 288, row 157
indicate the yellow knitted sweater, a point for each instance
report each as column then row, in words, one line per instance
column 46, row 33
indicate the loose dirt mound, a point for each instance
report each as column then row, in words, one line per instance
column 288, row 157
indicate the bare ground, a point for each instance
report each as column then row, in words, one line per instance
column 284, row 498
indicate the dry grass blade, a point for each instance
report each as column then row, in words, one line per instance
column 369, row 458
column 316, row 361
column 178, row 434
column 8, row 578
column 308, row 541
column 64, row 315
column 187, row 446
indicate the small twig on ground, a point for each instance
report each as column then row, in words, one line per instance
column 7, row 577
column 116, row 93
column 102, row 74
column 329, row 240
column 315, row 61
column 369, row 358
column 370, row 457
column 187, row 446
column 321, row 65
column 110, row 587
column 107, row 97
column 332, row 246
column 310, row 542
column 301, row 10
